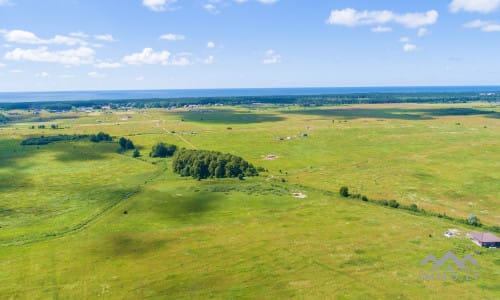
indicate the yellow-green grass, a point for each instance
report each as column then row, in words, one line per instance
column 65, row 234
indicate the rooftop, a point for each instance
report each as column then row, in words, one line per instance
column 485, row 237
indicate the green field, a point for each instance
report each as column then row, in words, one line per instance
column 81, row 220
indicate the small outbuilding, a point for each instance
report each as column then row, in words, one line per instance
column 485, row 239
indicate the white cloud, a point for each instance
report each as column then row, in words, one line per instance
column 210, row 45
column 351, row 17
column 158, row 5
column 485, row 26
column 422, row 32
column 78, row 56
column 42, row 75
column 261, row 1
column 211, row 8
column 409, row 47
column 2, row 65
column 147, row 57
column 381, row 29
column 26, row 37
column 404, row 39
column 271, row 57
column 107, row 65
column 79, row 34
column 96, row 75
column 66, row 76
column 5, row 2
column 139, row 78
column 172, row 37
column 180, row 61
column 209, row 60
column 105, row 37
column 481, row 6
column 16, row 71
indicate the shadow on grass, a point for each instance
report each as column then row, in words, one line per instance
column 123, row 244
column 82, row 151
column 394, row 113
column 227, row 117
column 181, row 207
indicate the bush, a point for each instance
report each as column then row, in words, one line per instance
column 364, row 198
column 473, row 220
column 126, row 144
column 413, row 207
column 163, row 150
column 136, row 153
column 393, row 204
column 344, row 191
column 101, row 136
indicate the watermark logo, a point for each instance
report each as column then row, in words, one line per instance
column 450, row 267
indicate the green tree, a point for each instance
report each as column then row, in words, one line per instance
column 344, row 191
column 136, row 153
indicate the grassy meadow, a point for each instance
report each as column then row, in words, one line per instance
column 79, row 220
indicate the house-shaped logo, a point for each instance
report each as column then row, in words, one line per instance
column 450, row 267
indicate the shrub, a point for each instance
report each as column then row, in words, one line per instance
column 393, row 204
column 126, row 144
column 364, row 198
column 344, row 191
column 163, row 150
column 136, row 153
column 413, row 207
column 473, row 220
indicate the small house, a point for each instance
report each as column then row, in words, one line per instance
column 485, row 239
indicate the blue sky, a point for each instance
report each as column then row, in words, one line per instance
column 167, row 44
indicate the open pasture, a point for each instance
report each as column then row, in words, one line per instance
column 80, row 220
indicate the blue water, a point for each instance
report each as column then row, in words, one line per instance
column 168, row 94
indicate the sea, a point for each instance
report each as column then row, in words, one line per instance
column 12, row 97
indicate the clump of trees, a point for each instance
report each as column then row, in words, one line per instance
column 44, row 140
column 202, row 164
column 100, row 137
column 126, row 144
column 163, row 150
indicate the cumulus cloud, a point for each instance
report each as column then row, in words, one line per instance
column 381, row 29
column 78, row 56
column 172, row 37
column 42, row 75
column 422, row 32
column 104, row 37
column 211, row 8
column 409, row 47
column 209, row 60
column 107, row 65
column 158, row 5
column 351, row 17
column 210, row 45
column 26, row 37
column 5, row 2
column 485, row 26
column 147, row 57
column 271, row 57
column 96, row 75
column 261, row 1
column 481, row 6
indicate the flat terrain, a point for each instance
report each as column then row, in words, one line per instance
column 80, row 220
